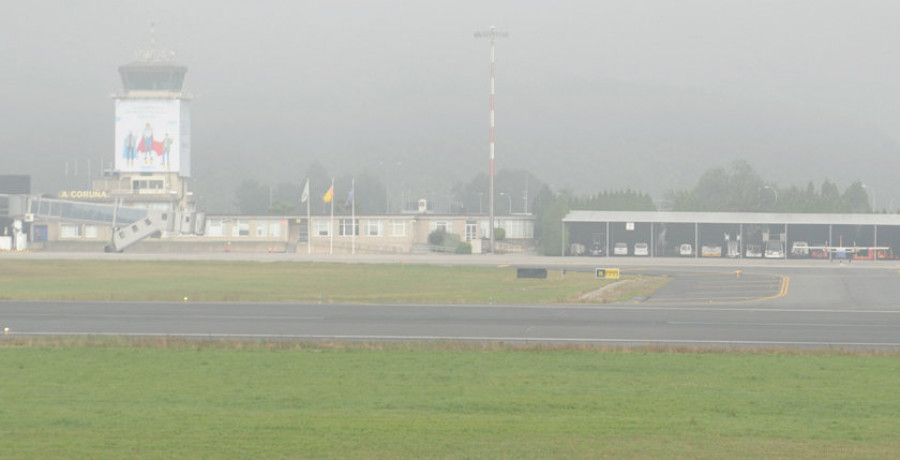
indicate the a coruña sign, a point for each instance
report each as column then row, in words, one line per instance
column 83, row 194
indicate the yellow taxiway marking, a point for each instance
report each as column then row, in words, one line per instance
column 785, row 285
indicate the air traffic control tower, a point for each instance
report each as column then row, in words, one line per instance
column 145, row 194
column 152, row 163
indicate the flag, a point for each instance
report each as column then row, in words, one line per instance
column 329, row 195
column 305, row 196
column 350, row 195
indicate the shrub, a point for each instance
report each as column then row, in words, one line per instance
column 499, row 234
column 463, row 248
column 437, row 237
column 442, row 241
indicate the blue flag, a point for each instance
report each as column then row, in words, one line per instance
column 350, row 195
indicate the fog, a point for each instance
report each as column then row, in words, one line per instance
column 590, row 95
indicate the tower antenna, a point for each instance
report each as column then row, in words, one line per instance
column 152, row 54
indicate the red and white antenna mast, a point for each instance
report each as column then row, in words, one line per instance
column 492, row 34
column 153, row 54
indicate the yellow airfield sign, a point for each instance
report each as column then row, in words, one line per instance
column 607, row 273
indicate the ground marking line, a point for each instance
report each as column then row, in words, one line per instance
column 460, row 338
column 249, row 316
column 701, row 323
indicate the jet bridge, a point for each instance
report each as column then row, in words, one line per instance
column 130, row 225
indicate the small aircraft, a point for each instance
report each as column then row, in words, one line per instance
column 849, row 252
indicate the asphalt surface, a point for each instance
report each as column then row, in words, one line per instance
column 776, row 304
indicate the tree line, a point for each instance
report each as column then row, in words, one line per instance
column 738, row 188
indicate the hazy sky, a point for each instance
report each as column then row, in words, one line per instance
column 617, row 91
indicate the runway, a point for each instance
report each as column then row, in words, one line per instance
column 726, row 325
column 822, row 308
column 718, row 304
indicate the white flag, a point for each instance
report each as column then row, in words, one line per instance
column 305, row 196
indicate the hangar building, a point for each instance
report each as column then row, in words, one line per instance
column 731, row 234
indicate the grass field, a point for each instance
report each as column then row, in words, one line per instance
column 114, row 397
column 295, row 282
column 118, row 398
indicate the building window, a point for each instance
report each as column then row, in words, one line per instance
column 348, row 227
column 275, row 228
column 70, row 231
column 528, row 229
column 373, row 228
column 511, row 227
column 486, row 228
column 444, row 225
column 398, row 228
column 516, row 229
column 147, row 184
column 91, row 231
column 266, row 228
column 322, row 228
column 215, row 227
column 240, row 228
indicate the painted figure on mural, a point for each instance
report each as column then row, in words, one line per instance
column 147, row 138
column 128, row 149
column 167, row 146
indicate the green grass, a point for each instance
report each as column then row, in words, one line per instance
column 291, row 281
column 118, row 398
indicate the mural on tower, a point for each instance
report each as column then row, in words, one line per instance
column 153, row 135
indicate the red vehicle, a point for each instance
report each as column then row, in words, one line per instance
column 881, row 253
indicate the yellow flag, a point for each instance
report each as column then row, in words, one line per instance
column 329, row 195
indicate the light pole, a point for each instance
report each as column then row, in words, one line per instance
column 493, row 35
column 510, row 201
column 525, row 198
column 387, row 185
column 775, row 192
column 873, row 195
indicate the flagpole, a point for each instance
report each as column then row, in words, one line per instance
column 331, row 244
column 353, row 216
column 308, row 222
column 304, row 197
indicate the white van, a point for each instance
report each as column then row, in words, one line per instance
column 641, row 249
column 620, row 249
column 800, row 249
column 753, row 251
column 685, row 250
column 774, row 250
